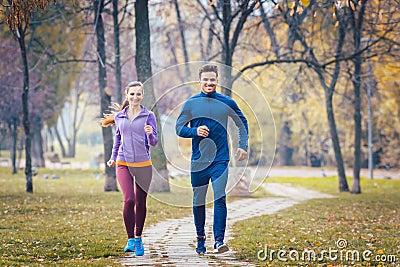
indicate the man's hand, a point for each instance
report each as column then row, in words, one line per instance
column 241, row 154
column 202, row 131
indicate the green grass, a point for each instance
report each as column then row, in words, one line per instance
column 368, row 221
column 68, row 221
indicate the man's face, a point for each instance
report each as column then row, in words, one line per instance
column 208, row 82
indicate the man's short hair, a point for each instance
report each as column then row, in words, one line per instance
column 208, row 68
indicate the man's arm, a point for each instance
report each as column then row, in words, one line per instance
column 181, row 127
column 241, row 122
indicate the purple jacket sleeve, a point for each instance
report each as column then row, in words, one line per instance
column 117, row 143
column 152, row 138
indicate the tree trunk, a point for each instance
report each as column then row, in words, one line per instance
column 25, row 111
column 160, row 181
column 182, row 33
column 357, row 33
column 356, row 189
column 50, row 148
column 37, row 144
column 75, row 123
column 229, row 44
column 343, row 186
column 226, row 74
column 284, row 151
column 60, row 142
column 13, row 149
column 268, row 28
column 117, row 52
column 328, row 91
column 64, row 154
column 105, row 99
column 71, row 147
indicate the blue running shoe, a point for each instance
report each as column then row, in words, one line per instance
column 201, row 248
column 139, row 247
column 130, row 245
column 220, row 247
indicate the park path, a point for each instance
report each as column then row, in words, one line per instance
column 172, row 242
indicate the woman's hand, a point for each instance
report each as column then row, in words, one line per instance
column 111, row 163
column 148, row 129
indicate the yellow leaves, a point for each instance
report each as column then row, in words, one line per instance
column 348, row 3
column 296, row 8
column 211, row 3
column 305, row 3
column 19, row 12
column 257, row 5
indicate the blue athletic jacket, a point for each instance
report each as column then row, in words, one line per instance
column 213, row 111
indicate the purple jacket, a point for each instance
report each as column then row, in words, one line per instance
column 131, row 143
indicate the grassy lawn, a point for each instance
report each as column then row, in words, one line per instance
column 68, row 221
column 368, row 222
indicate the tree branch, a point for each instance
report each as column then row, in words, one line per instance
column 275, row 61
column 239, row 26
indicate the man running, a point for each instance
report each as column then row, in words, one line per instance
column 204, row 118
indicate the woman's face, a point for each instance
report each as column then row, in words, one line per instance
column 134, row 95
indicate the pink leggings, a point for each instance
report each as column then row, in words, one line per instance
column 135, row 183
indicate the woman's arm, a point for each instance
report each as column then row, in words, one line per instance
column 152, row 137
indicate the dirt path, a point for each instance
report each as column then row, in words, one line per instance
column 172, row 242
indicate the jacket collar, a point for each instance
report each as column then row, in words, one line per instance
column 144, row 112
column 212, row 95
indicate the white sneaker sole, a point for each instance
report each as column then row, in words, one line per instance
column 221, row 249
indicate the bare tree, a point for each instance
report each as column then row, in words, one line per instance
column 105, row 96
column 294, row 20
column 232, row 22
column 18, row 15
column 71, row 128
column 357, row 23
column 182, row 34
column 144, row 72
column 117, row 50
